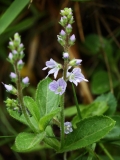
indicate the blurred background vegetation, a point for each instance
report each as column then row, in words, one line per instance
column 97, row 31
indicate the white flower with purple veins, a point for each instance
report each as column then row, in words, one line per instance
column 55, row 67
column 25, row 80
column 58, row 86
column 76, row 76
column 68, row 127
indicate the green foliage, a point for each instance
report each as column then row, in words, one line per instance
column 110, row 101
column 100, row 82
column 26, row 141
column 88, row 131
column 50, row 139
column 47, row 100
column 32, row 107
column 12, row 13
column 44, row 121
column 114, row 135
column 95, row 43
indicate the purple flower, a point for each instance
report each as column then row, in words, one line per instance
column 68, row 127
column 8, row 87
column 21, row 45
column 20, row 62
column 69, row 26
column 72, row 38
column 58, row 86
column 14, row 52
column 62, row 33
column 65, row 55
column 10, row 56
column 55, row 67
column 11, row 43
column 76, row 76
column 25, row 80
column 13, row 75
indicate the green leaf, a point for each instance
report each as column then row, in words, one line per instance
column 32, row 107
column 100, row 82
column 50, row 139
column 44, row 121
column 88, row 131
column 47, row 100
column 111, row 101
column 114, row 134
column 26, row 141
column 93, row 109
column 12, row 12
column 22, row 119
column 94, row 43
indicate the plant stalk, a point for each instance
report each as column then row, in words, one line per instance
column 76, row 102
column 20, row 98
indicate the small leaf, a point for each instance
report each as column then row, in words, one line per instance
column 44, row 121
column 110, row 99
column 46, row 99
column 32, row 107
column 88, row 131
column 26, row 141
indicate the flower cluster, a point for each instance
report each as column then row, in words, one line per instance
column 15, row 58
column 66, row 40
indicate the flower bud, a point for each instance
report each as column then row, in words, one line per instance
column 20, row 64
column 65, row 55
column 25, row 80
column 69, row 28
column 14, row 52
column 13, row 75
column 72, row 40
column 10, row 56
column 75, row 62
column 11, row 103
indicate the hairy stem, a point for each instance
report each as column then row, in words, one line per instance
column 20, row 98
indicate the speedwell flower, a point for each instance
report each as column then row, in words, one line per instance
column 55, row 67
column 76, row 76
column 68, row 127
column 58, row 86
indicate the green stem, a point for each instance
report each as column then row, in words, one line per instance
column 76, row 102
column 20, row 98
column 62, row 119
column 106, row 151
column 62, row 104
